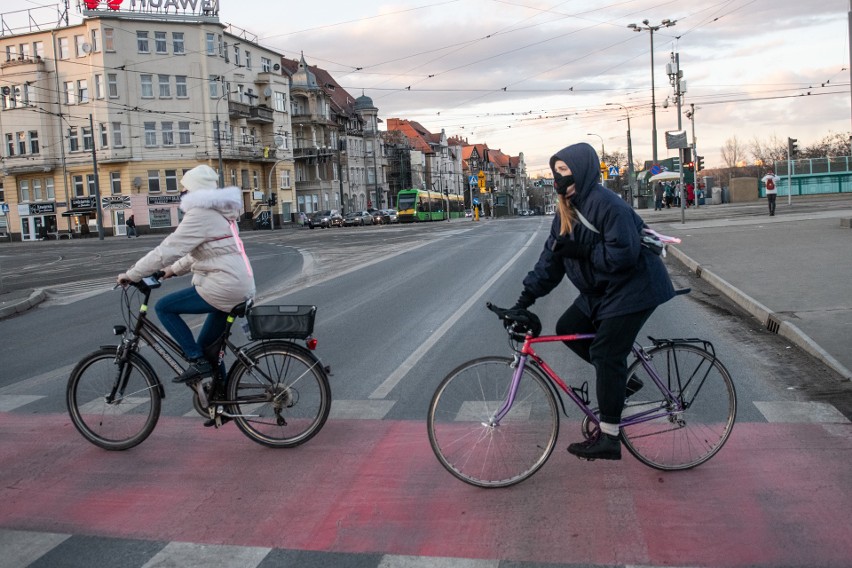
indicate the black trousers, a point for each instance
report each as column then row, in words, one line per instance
column 771, row 198
column 608, row 353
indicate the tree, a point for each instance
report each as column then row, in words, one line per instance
column 732, row 152
column 767, row 153
column 832, row 145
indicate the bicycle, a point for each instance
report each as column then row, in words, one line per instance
column 493, row 421
column 276, row 391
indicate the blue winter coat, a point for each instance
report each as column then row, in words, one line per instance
column 621, row 276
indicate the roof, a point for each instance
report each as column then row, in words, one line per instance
column 418, row 136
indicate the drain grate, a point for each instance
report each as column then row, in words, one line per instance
column 773, row 324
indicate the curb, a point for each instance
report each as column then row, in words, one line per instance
column 21, row 306
column 760, row 312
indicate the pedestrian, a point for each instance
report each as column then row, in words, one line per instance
column 595, row 241
column 206, row 243
column 770, row 183
column 669, row 195
column 658, row 196
column 690, row 195
column 131, row 227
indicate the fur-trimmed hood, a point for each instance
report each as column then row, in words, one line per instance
column 227, row 200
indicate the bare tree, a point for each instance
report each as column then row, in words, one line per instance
column 732, row 152
column 765, row 154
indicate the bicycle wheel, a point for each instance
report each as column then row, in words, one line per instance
column 109, row 417
column 680, row 439
column 284, row 397
column 461, row 429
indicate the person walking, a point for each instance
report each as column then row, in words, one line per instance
column 131, row 227
column 595, row 240
column 770, row 183
column 206, row 243
column 658, row 196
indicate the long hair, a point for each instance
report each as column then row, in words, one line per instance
column 566, row 215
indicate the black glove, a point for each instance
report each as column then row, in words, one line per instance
column 525, row 300
column 571, row 249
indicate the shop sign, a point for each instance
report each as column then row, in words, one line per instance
column 41, row 208
column 197, row 7
column 83, row 202
column 163, row 199
column 116, row 202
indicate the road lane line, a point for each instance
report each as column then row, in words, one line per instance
column 388, row 385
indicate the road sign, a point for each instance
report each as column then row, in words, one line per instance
column 5, row 208
column 613, row 172
column 472, row 180
column 476, row 201
column 655, row 169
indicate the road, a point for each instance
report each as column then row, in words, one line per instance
column 399, row 307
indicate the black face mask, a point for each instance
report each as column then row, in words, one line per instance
column 562, row 183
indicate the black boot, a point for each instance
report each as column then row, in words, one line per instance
column 600, row 447
column 198, row 369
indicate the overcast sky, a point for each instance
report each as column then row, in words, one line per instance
column 533, row 76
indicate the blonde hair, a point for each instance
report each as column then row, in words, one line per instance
column 566, row 215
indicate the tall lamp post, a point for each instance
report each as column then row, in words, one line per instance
column 647, row 27
column 603, row 152
column 630, row 179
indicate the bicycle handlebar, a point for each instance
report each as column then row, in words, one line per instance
column 518, row 322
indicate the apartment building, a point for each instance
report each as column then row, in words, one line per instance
column 145, row 96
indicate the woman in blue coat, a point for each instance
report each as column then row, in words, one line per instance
column 595, row 240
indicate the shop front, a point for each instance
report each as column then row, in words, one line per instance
column 38, row 221
column 83, row 215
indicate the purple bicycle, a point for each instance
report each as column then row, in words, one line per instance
column 493, row 421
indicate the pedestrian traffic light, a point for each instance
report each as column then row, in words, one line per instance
column 273, row 199
column 699, row 164
column 792, row 147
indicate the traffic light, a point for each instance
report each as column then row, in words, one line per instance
column 689, row 165
column 792, row 148
column 687, row 155
column 699, row 164
column 604, row 170
column 273, row 199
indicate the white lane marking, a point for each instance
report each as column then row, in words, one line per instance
column 799, row 412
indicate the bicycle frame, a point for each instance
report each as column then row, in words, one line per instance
column 528, row 353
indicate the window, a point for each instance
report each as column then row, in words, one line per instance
column 158, row 218
column 38, row 49
column 154, row 181
column 265, row 65
column 63, row 48
column 70, row 95
column 254, row 178
column 90, row 183
column 285, row 179
column 180, row 87
column 109, row 39
column 115, row 183
column 165, row 86
column 48, row 184
column 177, row 43
column 147, row 86
column 24, row 190
column 33, row 135
column 213, row 86
column 2, row 193
column 160, row 43
column 37, row 190
column 104, row 137
column 77, row 183
column 184, row 134
column 280, row 101
column 116, row 135
column 96, row 40
column 168, row 133
column 82, row 91
column 244, row 175
column 234, row 177
column 10, row 144
column 22, row 142
column 112, row 85
column 142, row 42
column 99, row 86
column 79, row 41
column 171, row 180
column 150, row 134
column 73, row 142
column 88, row 143
column 211, row 44
column 10, row 53
column 248, row 59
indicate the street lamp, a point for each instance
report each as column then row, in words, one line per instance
column 630, row 178
column 603, row 152
column 647, row 27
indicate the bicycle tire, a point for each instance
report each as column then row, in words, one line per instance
column 127, row 421
column 685, row 439
column 460, row 427
column 292, row 375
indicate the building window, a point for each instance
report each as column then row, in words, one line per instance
column 159, row 218
column 150, row 134
column 184, row 134
column 33, row 135
column 285, row 179
column 37, row 190
column 63, row 48
column 177, row 43
column 116, row 135
column 24, row 190
column 96, row 40
column 234, row 177
column 99, row 86
column 77, row 183
column 165, row 86
column 70, row 95
column 211, row 44
column 73, row 142
column 104, row 137
column 180, row 87
column 10, row 145
column 48, row 184
column 88, row 143
column 109, row 39
column 38, row 49
column 154, row 181
column 248, row 59
column 112, row 85
column 171, row 181
column 265, row 65
column 82, row 91
column 142, row 42
column 79, row 40
column 213, row 86
column 237, row 55
column 160, row 43
column 280, row 102
column 244, row 175
column 147, row 86
column 168, row 133
column 115, row 183
column 90, row 183
column 22, row 143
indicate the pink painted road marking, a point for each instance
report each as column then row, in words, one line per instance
column 777, row 494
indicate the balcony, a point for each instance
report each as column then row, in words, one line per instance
column 260, row 114
column 238, row 110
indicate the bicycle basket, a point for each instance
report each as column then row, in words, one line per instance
column 281, row 322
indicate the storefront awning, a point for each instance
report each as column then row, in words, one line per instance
column 75, row 212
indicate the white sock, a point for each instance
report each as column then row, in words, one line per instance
column 611, row 429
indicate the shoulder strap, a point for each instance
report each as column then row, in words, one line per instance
column 585, row 222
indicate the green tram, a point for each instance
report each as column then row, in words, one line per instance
column 419, row 205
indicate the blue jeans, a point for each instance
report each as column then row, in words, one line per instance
column 187, row 301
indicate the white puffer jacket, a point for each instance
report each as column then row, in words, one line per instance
column 205, row 243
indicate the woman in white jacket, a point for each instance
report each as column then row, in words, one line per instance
column 206, row 243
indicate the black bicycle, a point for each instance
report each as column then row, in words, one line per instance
column 276, row 391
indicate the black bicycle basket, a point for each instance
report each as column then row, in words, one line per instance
column 281, row 322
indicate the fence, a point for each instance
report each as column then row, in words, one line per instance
column 814, row 176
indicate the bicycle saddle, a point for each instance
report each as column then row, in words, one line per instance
column 519, row 321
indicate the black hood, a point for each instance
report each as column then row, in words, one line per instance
column 585, row 167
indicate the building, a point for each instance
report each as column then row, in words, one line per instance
column 443, row 160
column 146, row 95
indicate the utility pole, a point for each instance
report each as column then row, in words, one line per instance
column 675, row 75
column 97, row 184
column 630, row 176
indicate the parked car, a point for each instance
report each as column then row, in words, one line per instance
column 325, row 219
column 357, row 218
column 468, row 212
column 393, row 214
column 379, row 217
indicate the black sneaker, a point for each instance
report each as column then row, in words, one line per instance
column 601, row 447
column 198, row 369
column 212, row 421
column 634, row 384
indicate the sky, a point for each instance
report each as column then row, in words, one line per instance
column 534, row 76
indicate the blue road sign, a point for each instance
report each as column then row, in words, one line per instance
column 5, row 208
column 655, row 169
column 476, row 201
column 472, row 180
column 613, row 172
